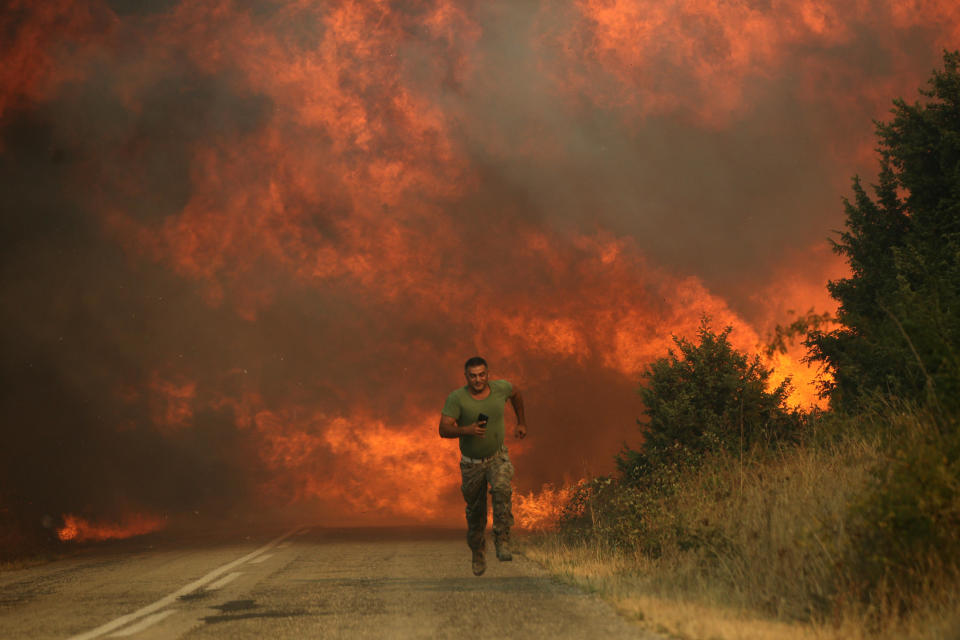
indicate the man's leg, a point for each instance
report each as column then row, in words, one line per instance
column 499, row 475
column 474, row 489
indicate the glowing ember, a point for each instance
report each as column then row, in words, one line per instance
column 77, row 529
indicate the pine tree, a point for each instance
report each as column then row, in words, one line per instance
column 899, row 310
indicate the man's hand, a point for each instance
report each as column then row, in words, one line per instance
column 478, row 429
column 450, row 429
column 520, row 432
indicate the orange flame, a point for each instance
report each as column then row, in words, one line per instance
column 349, row 178
column 357, row 467
column 535, row 511
column 77, row 529
column 699, row 57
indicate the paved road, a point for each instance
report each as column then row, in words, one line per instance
column 304, row 583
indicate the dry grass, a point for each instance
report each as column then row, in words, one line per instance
column 781, row 522
column 766, row 564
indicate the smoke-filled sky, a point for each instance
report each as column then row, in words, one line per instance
column 248, row 244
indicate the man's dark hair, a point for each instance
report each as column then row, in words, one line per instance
column 475, row 361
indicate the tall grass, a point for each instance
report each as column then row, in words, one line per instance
column 791, row 542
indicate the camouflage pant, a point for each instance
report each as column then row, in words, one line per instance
column 497, row 473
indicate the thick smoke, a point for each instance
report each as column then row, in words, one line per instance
column 248, row 245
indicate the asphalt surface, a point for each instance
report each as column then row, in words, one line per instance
column 301, row 583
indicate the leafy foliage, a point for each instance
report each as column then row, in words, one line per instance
column 900, row 308
column 643, row 516
column 704, row 397
column 905, row 524
column 784, row 335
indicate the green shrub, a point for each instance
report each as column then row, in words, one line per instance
column 905, row 525
column 707, row 397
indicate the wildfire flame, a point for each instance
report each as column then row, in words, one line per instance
column 351, row 197
column 77, row 529
column 535, row 511
column 627, row 53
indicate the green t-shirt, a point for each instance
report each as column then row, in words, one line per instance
column 463, row 408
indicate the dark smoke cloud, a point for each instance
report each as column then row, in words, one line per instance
column 216, row 297
column 80, row 322
column 723, row 201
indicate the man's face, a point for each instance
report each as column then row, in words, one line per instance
column 476, row 378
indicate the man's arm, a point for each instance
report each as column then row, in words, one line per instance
column 517, row 401
column 450, row 429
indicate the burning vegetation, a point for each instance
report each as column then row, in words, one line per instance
column 249, row 242
column 76, row 529
column 847, row 520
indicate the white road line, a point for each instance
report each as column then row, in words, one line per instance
column 143, row 624
column 265, row 556
column 182, row 591
column 283, row 546
column 225, row 580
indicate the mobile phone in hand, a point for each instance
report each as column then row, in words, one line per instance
column 482, row 418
